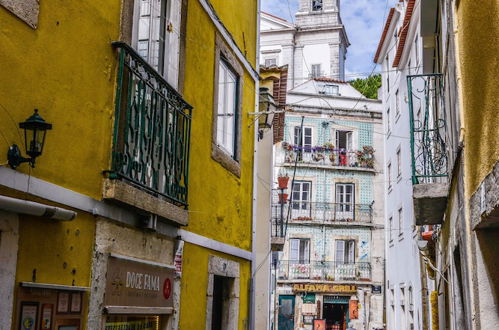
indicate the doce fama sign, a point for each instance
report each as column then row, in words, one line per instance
column 133, row 283
column 329, row 288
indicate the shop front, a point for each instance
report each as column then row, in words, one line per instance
column 318, row 306
column 139, row 294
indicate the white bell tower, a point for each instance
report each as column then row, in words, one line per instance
column 321, row 41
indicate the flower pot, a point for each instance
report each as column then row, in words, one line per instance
column 282, row 182
column 283, row 198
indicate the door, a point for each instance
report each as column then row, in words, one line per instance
column 301, row 199
column 286, row 320
column 345, row 202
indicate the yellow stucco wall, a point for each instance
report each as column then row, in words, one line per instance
column 219, row 202
column 65, row 69
column 478, row 46
column 195, row 284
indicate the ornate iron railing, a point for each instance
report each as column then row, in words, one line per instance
column 329, row 156
column 319, row 212
column 427, row 123
column 151, row 130
column 323, row 271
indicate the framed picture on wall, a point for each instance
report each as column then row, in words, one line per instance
column 62, row 302
column 29, row 315
column 46, row 317
column 75, row 302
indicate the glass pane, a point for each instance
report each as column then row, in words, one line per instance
column 340, row 248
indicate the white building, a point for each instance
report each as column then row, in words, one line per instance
column 400, row 54
column 314, row 46
column 332, row 264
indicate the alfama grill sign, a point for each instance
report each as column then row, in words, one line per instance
column 329, row 288
column 133, row 283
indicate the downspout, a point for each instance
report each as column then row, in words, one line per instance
column 32, row 208
column 252, row 302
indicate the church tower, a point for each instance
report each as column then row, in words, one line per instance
column 320, row 42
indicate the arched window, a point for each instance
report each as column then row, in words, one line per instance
column 316, row 5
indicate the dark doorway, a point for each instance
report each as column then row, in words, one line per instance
column 336, row 315
column 221, row 299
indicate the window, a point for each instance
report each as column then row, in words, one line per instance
column 226, row 125
column 345, row 200
column 328, row 89
column 227, row 108
column 345, row 251
column 399, row 165
column 270, row 62
column 150, row 29
column 303, row 140
column 316, row 5
column 389, row 175
column 416, row 50
column 388, row 120
column 387, row 61
column 397, row 104
column 401, row 222
column 316, row 71
column 344, row 140
column 390, row 228
column 299, row 250
column 301, row 195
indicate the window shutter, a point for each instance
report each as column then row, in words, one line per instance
column 349, row 142
column 307, row 138
column 340, row 251
column 351, row 251
column 297, row 135
column 305, row 251
column 294, row 248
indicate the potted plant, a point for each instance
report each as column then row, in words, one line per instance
column 283, row 198
column 282, row 181
column 317, row 156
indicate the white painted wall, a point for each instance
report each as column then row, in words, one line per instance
column 9, row 241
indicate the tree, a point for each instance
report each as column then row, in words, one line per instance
column 368, row 86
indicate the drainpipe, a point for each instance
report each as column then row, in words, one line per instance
column 32, row 208
column 252, row 302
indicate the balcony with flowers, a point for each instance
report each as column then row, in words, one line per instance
column 329, row 156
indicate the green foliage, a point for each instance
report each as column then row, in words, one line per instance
column 368, row 86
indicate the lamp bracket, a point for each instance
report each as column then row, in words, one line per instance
column 15, row 158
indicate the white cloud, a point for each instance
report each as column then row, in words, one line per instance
column 363, row 19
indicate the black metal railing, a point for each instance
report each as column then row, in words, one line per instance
column 323, row 270
column 427, row 123
column 319, row 212
column 151, row 131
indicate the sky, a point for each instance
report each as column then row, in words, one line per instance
column 363, row 19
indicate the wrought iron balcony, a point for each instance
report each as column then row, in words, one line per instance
column 318, row 212
column 151, row 130
column 329, row 156
column 323, row 271
column 428, row 147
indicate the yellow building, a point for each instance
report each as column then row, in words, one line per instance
column 139, row 208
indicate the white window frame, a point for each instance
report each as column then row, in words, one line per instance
column 169, row 40
column 399, row 162
column 227, row 112
column 330, row 89
column 299, row 250
column 315, row 70
column 344, row 210
column 349, row 139
column 270, row 59
column 400, row 214
column 307, row 132
column 345, row 251
column 301, row 205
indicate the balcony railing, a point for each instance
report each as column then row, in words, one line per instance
column 321, row 155
column 324, row 271
column 151, row 130
column 427, row 123
column 319, row 212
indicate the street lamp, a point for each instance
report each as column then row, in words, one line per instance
column 266, row 108
column 35, row 128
